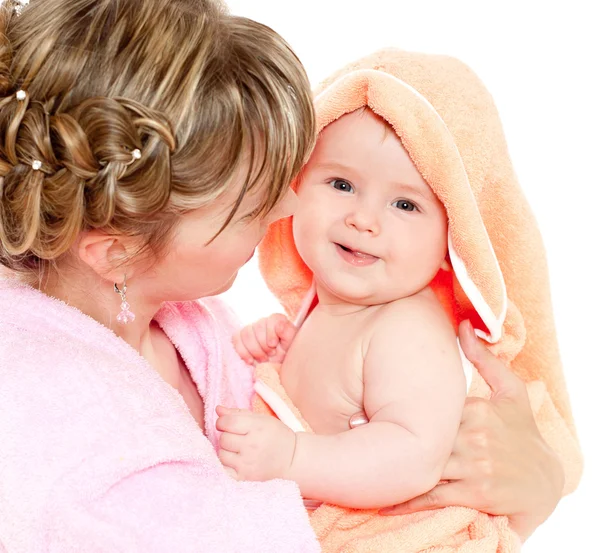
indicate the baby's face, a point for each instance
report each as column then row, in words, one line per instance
column 366, row 223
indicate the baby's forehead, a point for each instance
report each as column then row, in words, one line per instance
column 364, row 148
column 356, row 129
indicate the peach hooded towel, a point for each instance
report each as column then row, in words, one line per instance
column 449, row 125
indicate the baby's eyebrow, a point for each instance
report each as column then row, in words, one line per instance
column 423, row 191
column 333, row 166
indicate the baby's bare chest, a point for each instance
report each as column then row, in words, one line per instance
column 323, row 375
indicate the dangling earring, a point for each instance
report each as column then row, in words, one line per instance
column 125, row 316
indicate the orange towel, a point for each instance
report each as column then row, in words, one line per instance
column 342, row 530
column 449, row 125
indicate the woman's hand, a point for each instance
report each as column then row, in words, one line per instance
column 500, row 463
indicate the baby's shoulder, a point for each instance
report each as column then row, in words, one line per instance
column 419, row 328
column 420, row 313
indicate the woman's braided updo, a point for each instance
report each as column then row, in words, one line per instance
column 123, row 115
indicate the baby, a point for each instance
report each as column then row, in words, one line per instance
column 409, row 221
column 377, row 341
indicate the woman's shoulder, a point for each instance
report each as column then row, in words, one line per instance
column 53, row 342
column 60, row 369
column 78, row 402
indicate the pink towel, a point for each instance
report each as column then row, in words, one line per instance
column 99, row 454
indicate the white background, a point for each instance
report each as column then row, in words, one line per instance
column 541, row 62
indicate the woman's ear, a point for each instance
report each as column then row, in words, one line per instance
column 105, row 254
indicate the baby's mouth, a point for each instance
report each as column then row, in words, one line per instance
column 355, row 252
column 355, row 257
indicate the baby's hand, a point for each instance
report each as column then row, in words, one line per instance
column 254, row 446
column 266, row 340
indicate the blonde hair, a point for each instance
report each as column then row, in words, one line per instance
column 193, row 88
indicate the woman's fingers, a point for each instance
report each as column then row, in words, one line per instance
column 443, row 495
column 455, row 469
column 499, row 377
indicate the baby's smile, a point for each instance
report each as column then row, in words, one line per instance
column 355, row 257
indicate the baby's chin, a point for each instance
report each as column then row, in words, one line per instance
column 352, row 296
column 365, row 297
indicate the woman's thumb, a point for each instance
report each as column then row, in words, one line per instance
column 499, row 377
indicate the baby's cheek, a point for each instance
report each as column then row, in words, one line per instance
column 302, row 231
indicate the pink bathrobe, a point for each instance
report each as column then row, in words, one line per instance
column 99, row 454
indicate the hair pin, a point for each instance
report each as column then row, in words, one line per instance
column 36, row 165
column 135, row 155
column 21, row 95
column 19, row 5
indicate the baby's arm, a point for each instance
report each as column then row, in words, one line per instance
column 414, row 391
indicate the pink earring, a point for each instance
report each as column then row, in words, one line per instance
column 125, row 316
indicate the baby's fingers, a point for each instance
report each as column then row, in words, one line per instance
column 286, row 332
column 231, row 421
column 231, row 472
column 250, row 341
column 278, row 329
column 230, row 461
column 261, row 333
column 231, row 442
column 241, row 349
column 273, row 324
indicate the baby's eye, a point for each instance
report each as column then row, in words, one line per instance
column 405, row 205
column 341, row 185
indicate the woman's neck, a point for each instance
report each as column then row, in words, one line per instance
column 96, row 297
